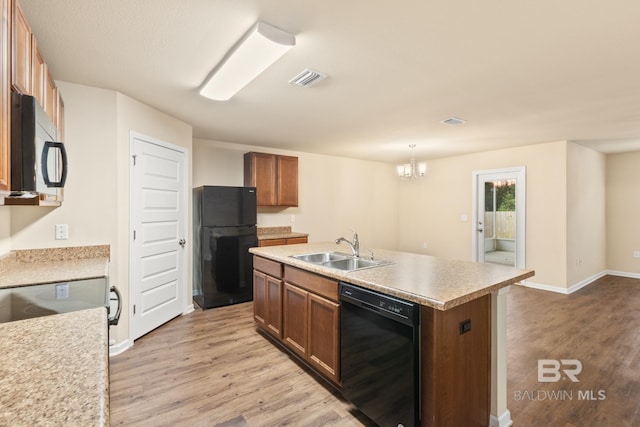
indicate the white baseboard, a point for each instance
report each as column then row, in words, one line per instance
column 188, row 309
column 119, row 348
column 503, row 420
column 624, row 274
column 543, row 287
column 579, row 285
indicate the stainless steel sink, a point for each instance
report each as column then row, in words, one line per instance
column 340, row 261
column 321, row 257
column 351, row 264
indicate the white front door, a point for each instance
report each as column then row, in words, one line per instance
column 499, row 215
column 158, row 232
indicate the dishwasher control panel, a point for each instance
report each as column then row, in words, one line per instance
column 377, row 301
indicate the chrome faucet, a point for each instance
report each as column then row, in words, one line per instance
column 355, row 245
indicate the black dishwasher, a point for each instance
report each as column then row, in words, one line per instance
column 380, row 353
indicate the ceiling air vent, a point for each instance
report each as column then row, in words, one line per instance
column 307, row 77
column 453, row 121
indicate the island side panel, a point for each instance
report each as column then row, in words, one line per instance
column 455, row 366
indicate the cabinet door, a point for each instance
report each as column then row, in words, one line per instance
column 260, row 172
column 5, row 115
column 260, row 298
column 50, row 99
column 60, row 119
column 296, row 240
column 295, row 314
column 37, row 73
column 272, row 242
column 274, row 306
column 324, row 337
column 20, row 51
column 287, row 181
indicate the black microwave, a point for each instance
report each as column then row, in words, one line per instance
column 38, row 159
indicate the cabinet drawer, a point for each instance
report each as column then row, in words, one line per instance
column 296, row 240
column 272, row 242
column 317, row 284
column 272, row 268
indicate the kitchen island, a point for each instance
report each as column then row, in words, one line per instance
column 463, row 372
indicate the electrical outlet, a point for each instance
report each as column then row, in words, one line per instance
column 293, row 218
column 636, row 254
column 62, row 291
column 425, row 245
column 62, row 231
column 464, row 218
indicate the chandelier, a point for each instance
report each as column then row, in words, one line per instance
column 412, row 170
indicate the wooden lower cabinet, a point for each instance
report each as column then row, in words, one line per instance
column 278, row 242
column 311, row 329
column 303, row 312
column 455, row 365
column 267, row 302
column 324, row 341
column 295, row 308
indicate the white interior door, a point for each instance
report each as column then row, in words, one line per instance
column 499, row 215
column 158, row 222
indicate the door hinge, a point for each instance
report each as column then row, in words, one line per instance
column 134, row 234
column 134, row 309
column 134, row 158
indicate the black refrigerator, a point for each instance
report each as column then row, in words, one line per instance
column 224, row 229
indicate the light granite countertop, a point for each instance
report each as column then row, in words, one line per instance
column 434, row 282
column 282, row 232
column 55, row 370
column 38, row 266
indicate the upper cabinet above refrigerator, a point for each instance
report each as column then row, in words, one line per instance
column 274, row 176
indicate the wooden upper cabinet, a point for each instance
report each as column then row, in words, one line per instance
column 37, row 73
column 260, row 172
column 5, row 103
column 50, row 96
column 20, row 52
column 275, row 178
column 287, row 180
column 59, row 122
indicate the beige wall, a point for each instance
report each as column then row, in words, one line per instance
column 431, row 209
column 335, row 194
column 90, row 133
column 96, row 206
column 623, row 212
column 565, row 216
column 134, row 116
column 586, row 214
column 5, row 230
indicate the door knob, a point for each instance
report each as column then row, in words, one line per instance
column 480, row 230
column 182, row 242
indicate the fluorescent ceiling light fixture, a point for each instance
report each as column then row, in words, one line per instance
column 260, row 47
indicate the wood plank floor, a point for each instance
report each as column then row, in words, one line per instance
column 598, row 325
column 211, row 368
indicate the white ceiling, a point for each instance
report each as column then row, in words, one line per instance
column 518, row 71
